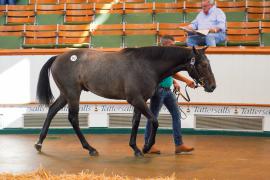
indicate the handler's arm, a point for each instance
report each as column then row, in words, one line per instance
column 181, row 77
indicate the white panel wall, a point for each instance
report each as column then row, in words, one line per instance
column 240, row 79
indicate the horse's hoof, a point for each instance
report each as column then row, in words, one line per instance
column 138, row 154
column 146, row 149
column 38, row 147
column 93, row 153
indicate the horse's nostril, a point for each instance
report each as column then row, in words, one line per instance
column 213, row 87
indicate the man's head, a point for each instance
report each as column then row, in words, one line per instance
column 206, row 5
column 167, row 40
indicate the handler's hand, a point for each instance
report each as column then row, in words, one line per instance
column 176, row 86
column 191, row 84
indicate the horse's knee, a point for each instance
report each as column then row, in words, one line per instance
column 155, row 124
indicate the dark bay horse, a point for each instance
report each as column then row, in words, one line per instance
column 131, row 74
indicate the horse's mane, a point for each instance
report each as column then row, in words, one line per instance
column 155, row 52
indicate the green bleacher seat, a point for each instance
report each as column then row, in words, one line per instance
column 108, row 13
column 140, row 40
column 243, row 34
column 258, row 10
column 50, row 14
column 192, row 10
column 2, row 19
column 237, row 16
column 2, row 14
column 169, row 12
column 106, row 41
column 138, row 35
column 164, row 1
column 73, row 36
column 11, row 37
column 107, row 36
column 20, row 14
column 10, row 42
column 265, row 33
column 138, row 13
column 108, row 18
column 40, row 36
column 79, row 14
column 235, row 10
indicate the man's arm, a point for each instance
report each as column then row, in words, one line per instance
column 221, row 25
column 180, row 77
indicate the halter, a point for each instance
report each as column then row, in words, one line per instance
column 194, row 72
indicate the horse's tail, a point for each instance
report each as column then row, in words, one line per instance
column 44, row 92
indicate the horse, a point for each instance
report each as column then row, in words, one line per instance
column 131, row 74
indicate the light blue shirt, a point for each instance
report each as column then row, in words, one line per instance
column 214, row 18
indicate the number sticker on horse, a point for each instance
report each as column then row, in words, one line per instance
column 73, row 58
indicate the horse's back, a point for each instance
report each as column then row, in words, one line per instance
column 99, row 72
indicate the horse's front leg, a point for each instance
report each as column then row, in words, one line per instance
column 152, row 137
column 141, row 105
column 135, row 124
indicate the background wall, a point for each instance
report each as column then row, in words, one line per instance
column 240, row 79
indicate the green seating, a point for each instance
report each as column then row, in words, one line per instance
column 258, row 10
column 22, row 2
column 140, row 40
column 169, row 12
column 191, row 14
column 108, row 18
column 138, row 13
column 243, row 34
column 10, row 42
column 74, row 36
column 107, row 36
column 20, row 14
column 234, row 10
column 135, row 18
column 237, row 16
column 11, row 37
column 266, row 38
column 47, row 19
column 192, row 10
column 138, row 35
column 2, row 15
column 265, row 33
column 50, row 14
column 106, row 41
column 79, row 14
column 169, row 17
column 108, row 13
column 165, row 1
column 2, row 19
column 40, row 36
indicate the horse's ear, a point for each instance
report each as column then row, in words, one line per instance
column 204, row 48
column 195, row 51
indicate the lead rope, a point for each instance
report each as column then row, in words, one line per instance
column 187, row 98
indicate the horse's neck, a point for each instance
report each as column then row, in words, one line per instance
column 171, row 65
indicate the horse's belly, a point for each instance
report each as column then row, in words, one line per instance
column 107, row 92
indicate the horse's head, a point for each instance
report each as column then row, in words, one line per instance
column 200, row 70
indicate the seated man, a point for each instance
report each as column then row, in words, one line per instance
column 210, row 18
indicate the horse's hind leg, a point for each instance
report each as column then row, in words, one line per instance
column 73, row 111
column 135, row 124
column 53, row 109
